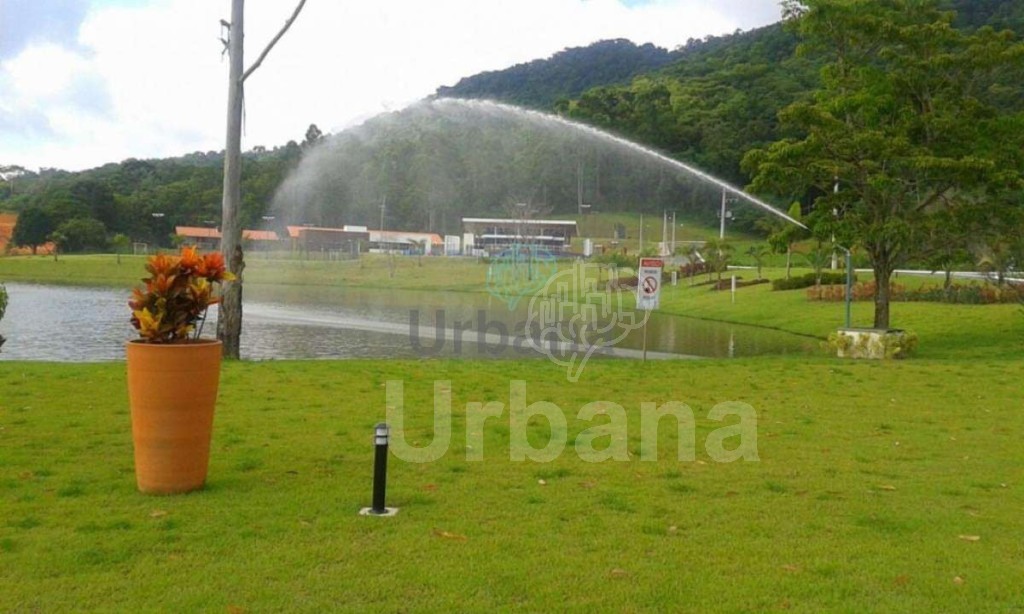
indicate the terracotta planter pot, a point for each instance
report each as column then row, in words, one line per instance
column 172, row 388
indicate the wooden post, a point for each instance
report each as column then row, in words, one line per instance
column 229, row 321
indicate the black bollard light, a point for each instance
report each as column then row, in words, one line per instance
column 380, row 474
column 380, row 468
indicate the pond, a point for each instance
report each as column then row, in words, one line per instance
column 77, row 324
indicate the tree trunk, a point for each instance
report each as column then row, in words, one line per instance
column 229, row 322
column 883, row 275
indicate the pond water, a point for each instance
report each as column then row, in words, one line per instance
column 62, row 323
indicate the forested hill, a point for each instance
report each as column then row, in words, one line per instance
column 567, row 74
column 1000, row 14
column 722, row 96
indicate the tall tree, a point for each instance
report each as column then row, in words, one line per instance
column 33, row 226
column 904, row 121
column 229, row 322
column 782, row 235
column 313, row 136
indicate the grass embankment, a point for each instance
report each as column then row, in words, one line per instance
column 944, row 331
column 601, row 227
column 370, row 270
column 881, row 487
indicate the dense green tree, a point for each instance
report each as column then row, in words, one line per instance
column 96, row 198
column 82, row 234
column 904, row 121
column 34, row 224
column 542, row 84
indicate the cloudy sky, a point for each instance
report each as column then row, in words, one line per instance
column 85, row 82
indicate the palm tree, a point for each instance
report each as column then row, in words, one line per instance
column 718, row 252
column 758, row 252
column 818, row 258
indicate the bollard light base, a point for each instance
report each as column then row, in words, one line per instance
column 388, row 512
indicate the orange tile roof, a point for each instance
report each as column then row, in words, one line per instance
column 259, row 235
column 194, row 232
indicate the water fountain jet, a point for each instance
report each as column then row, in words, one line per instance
column 538, row 116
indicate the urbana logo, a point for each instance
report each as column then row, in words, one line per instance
column 576, row 314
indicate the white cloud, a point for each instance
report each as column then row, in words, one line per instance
column 149, row 81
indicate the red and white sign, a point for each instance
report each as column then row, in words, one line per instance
column 648, row 287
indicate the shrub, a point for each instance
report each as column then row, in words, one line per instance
column 692, row 269
column 808, row 280
column 972, row 294
column 864, row 291
column 618, row 259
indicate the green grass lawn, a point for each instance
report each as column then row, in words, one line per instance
column 881, row 487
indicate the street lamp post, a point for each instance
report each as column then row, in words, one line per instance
column 724, row 214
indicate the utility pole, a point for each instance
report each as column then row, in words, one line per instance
column 579, row 187
column 664, row 232
column 721, row 233
column 641, row 247
column 229, row 321
column 673, row 233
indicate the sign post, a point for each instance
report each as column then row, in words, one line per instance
column 648, row 289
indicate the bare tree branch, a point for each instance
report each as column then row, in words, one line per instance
column 287, row 24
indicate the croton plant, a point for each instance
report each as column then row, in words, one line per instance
column 177, row 294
